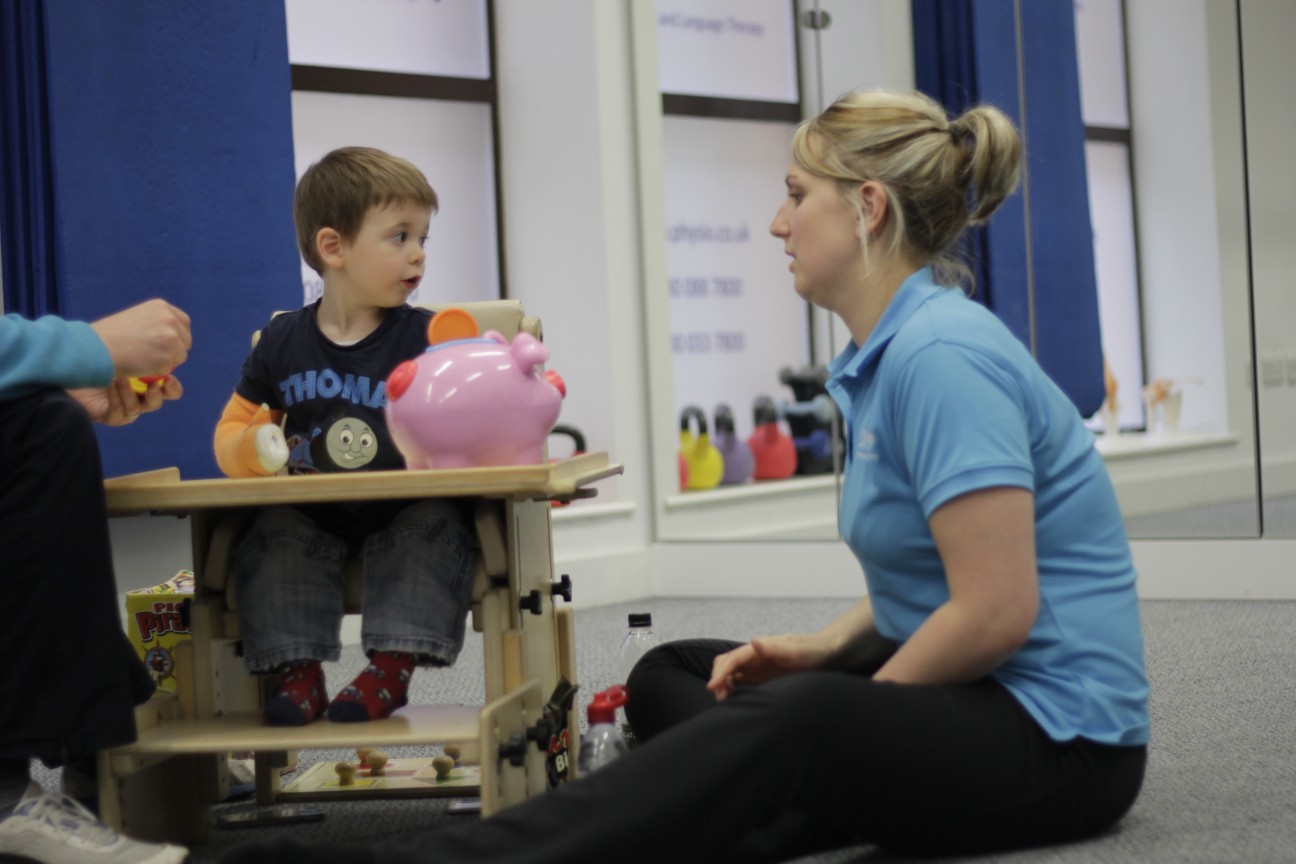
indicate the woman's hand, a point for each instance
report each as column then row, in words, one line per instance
column 151, row 338
column 766, row 658
column 118, row 404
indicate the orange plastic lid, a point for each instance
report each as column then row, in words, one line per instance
column 451, row 324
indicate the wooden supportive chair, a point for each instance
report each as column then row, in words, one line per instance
column 528, row 642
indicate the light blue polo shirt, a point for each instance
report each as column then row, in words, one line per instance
column 942, row 400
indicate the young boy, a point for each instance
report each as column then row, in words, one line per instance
column 362, row 216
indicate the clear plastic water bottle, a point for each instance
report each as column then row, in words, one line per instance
column 602, row 742
column 638, row 640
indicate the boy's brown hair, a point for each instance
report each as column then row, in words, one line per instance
column 339, row 189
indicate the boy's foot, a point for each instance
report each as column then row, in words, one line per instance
column 300, row 697
column 57, row 830
column 376, row 692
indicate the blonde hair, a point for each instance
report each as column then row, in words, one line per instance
column 338, row 190
column 940, row 175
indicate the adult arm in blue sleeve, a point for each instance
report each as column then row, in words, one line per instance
column 50, row 352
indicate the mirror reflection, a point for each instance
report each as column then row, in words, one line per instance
column 1268, row 69
column 1178, row 424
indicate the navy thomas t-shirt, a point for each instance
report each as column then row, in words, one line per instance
column 333, row 398
column 333, row 395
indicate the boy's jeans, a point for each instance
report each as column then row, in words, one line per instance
column 417, row 585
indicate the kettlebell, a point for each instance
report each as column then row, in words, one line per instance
column 578, row 446
column 735, row 452
column 773, row 453
column 812, row 437
column 705, row 465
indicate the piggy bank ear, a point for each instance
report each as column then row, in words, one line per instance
column 529, row 351
column 400, row 379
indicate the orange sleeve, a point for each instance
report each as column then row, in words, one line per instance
column 235, row 438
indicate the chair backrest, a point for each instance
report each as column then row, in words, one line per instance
column 504, row 316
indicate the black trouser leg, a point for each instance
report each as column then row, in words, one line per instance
column 949, row 769
column 71, row 677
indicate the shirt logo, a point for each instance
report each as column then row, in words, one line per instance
column 866, row 445
column 327, row 384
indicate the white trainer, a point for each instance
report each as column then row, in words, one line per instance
column 51, row 829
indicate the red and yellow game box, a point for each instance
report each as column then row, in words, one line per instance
column 156, row 622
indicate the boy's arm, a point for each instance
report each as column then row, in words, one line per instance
column 248, row 440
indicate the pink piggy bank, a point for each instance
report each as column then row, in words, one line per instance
column 473, row 402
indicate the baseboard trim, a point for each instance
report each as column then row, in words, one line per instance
column 1251, row 569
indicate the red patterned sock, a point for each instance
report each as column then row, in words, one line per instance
column 376, row 692
column 300, row 697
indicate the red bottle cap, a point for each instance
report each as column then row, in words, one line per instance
column 602, row 708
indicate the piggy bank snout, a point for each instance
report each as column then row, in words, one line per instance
column 557, row 381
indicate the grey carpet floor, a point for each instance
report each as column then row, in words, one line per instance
column 1221, row 781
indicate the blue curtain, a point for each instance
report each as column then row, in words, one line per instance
column 159, row 138
column 30, row 249
column 1034, row 261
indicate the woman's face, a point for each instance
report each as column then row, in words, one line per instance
column 820, row 233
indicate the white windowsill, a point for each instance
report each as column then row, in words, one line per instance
column 1133, row 444
column 749, row 491
column 582, row 511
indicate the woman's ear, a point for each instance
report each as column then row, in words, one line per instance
column 328, row 245
column 873, row 195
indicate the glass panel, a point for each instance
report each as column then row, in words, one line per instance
column 1100, row 42
column 735, row 320
column 1269, row 70
column 421, row 37
column 730, row 173
column 1189, row 190
column 1111, row 208
column 451, row 143
column 734, row 49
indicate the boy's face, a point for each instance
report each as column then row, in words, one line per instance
column 383, row 264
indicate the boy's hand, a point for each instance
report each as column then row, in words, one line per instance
column 271, row 447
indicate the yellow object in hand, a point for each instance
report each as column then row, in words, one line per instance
column 141, row 384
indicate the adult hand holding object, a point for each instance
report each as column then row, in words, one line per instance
column 119, row 403
column 145, row 339
column 151, row 338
